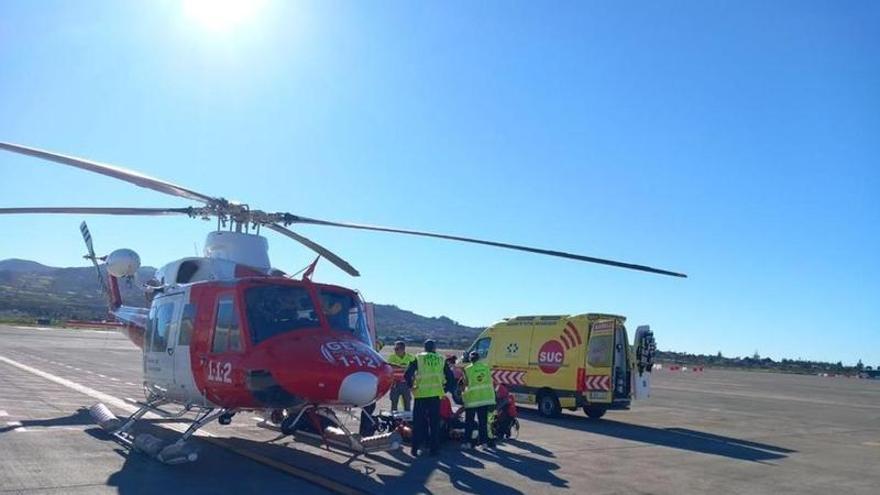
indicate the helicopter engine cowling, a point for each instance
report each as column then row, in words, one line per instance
column 123, row 263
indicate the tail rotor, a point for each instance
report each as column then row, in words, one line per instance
column 87, row 237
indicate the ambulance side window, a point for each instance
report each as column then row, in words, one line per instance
column 482, row 347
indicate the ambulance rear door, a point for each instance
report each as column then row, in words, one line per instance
column 621, row 376
column 645, row 347
column 600, row 361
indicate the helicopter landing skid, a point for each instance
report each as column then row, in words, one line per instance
column 176, row 452
column 332, row 434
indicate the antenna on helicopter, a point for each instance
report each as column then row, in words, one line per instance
column 307, row 275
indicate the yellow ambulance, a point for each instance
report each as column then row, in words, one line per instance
column 569, row 361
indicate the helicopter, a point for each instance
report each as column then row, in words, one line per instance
column 227, row 332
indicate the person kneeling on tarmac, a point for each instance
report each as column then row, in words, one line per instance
column 479, row 396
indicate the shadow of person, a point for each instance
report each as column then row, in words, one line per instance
column 450, row 462
column 80, row 418
column 530, row 447
column 469, row 482
column 676, row 438
column 534, row 469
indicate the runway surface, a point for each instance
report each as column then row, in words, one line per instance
column 717, row 431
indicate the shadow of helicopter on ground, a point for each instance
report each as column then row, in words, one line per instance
column 676, row 438
column 218, row 470
column 223, row 470
column 79, row 419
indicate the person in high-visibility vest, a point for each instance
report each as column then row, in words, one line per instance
column 400, row 360
column 479, row 397
column 427, row 376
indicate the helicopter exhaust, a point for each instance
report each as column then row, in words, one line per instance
column 104, row 418
column 178, row 452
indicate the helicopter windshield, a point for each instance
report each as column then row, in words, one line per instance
column 345, row 312
column 276, row 309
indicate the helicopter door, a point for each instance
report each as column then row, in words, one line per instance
column 159, row 346
column 223, row 360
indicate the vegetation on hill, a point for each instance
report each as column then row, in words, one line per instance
column 393, row 323
column 28, row 289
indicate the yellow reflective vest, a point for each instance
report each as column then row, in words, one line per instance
column 429, row 379
column 479, row 391
column 401, row 361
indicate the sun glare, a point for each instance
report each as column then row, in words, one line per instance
column 222, row 15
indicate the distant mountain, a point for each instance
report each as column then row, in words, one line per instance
column 393, row 323
column 17, row 265
column 29, row 289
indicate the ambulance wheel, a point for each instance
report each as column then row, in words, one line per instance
column 548, row 404
column 594, row 412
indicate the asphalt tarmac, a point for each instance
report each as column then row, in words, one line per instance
column 717, row 431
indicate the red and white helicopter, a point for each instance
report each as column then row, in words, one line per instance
column 227, row 332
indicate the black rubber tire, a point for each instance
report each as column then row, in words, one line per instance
column 594, row 412
column 548, row 405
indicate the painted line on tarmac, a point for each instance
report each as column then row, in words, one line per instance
column 309, row 476
column 55, row 329
column 101, row 396
column 16, row 426
column 3, row 413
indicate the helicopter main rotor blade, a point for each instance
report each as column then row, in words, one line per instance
column 548, row 252
column 88, row 210
column 314, row 246
column 111, row 171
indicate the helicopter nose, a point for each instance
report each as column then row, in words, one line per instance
column 358, row 389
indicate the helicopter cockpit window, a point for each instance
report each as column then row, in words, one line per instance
column 277, row 309
column 344, row 311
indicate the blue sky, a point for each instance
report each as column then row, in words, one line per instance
column 734, row 141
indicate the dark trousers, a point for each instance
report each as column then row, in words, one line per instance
column 471, row 416
column 400, row 390
column 426, row 423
